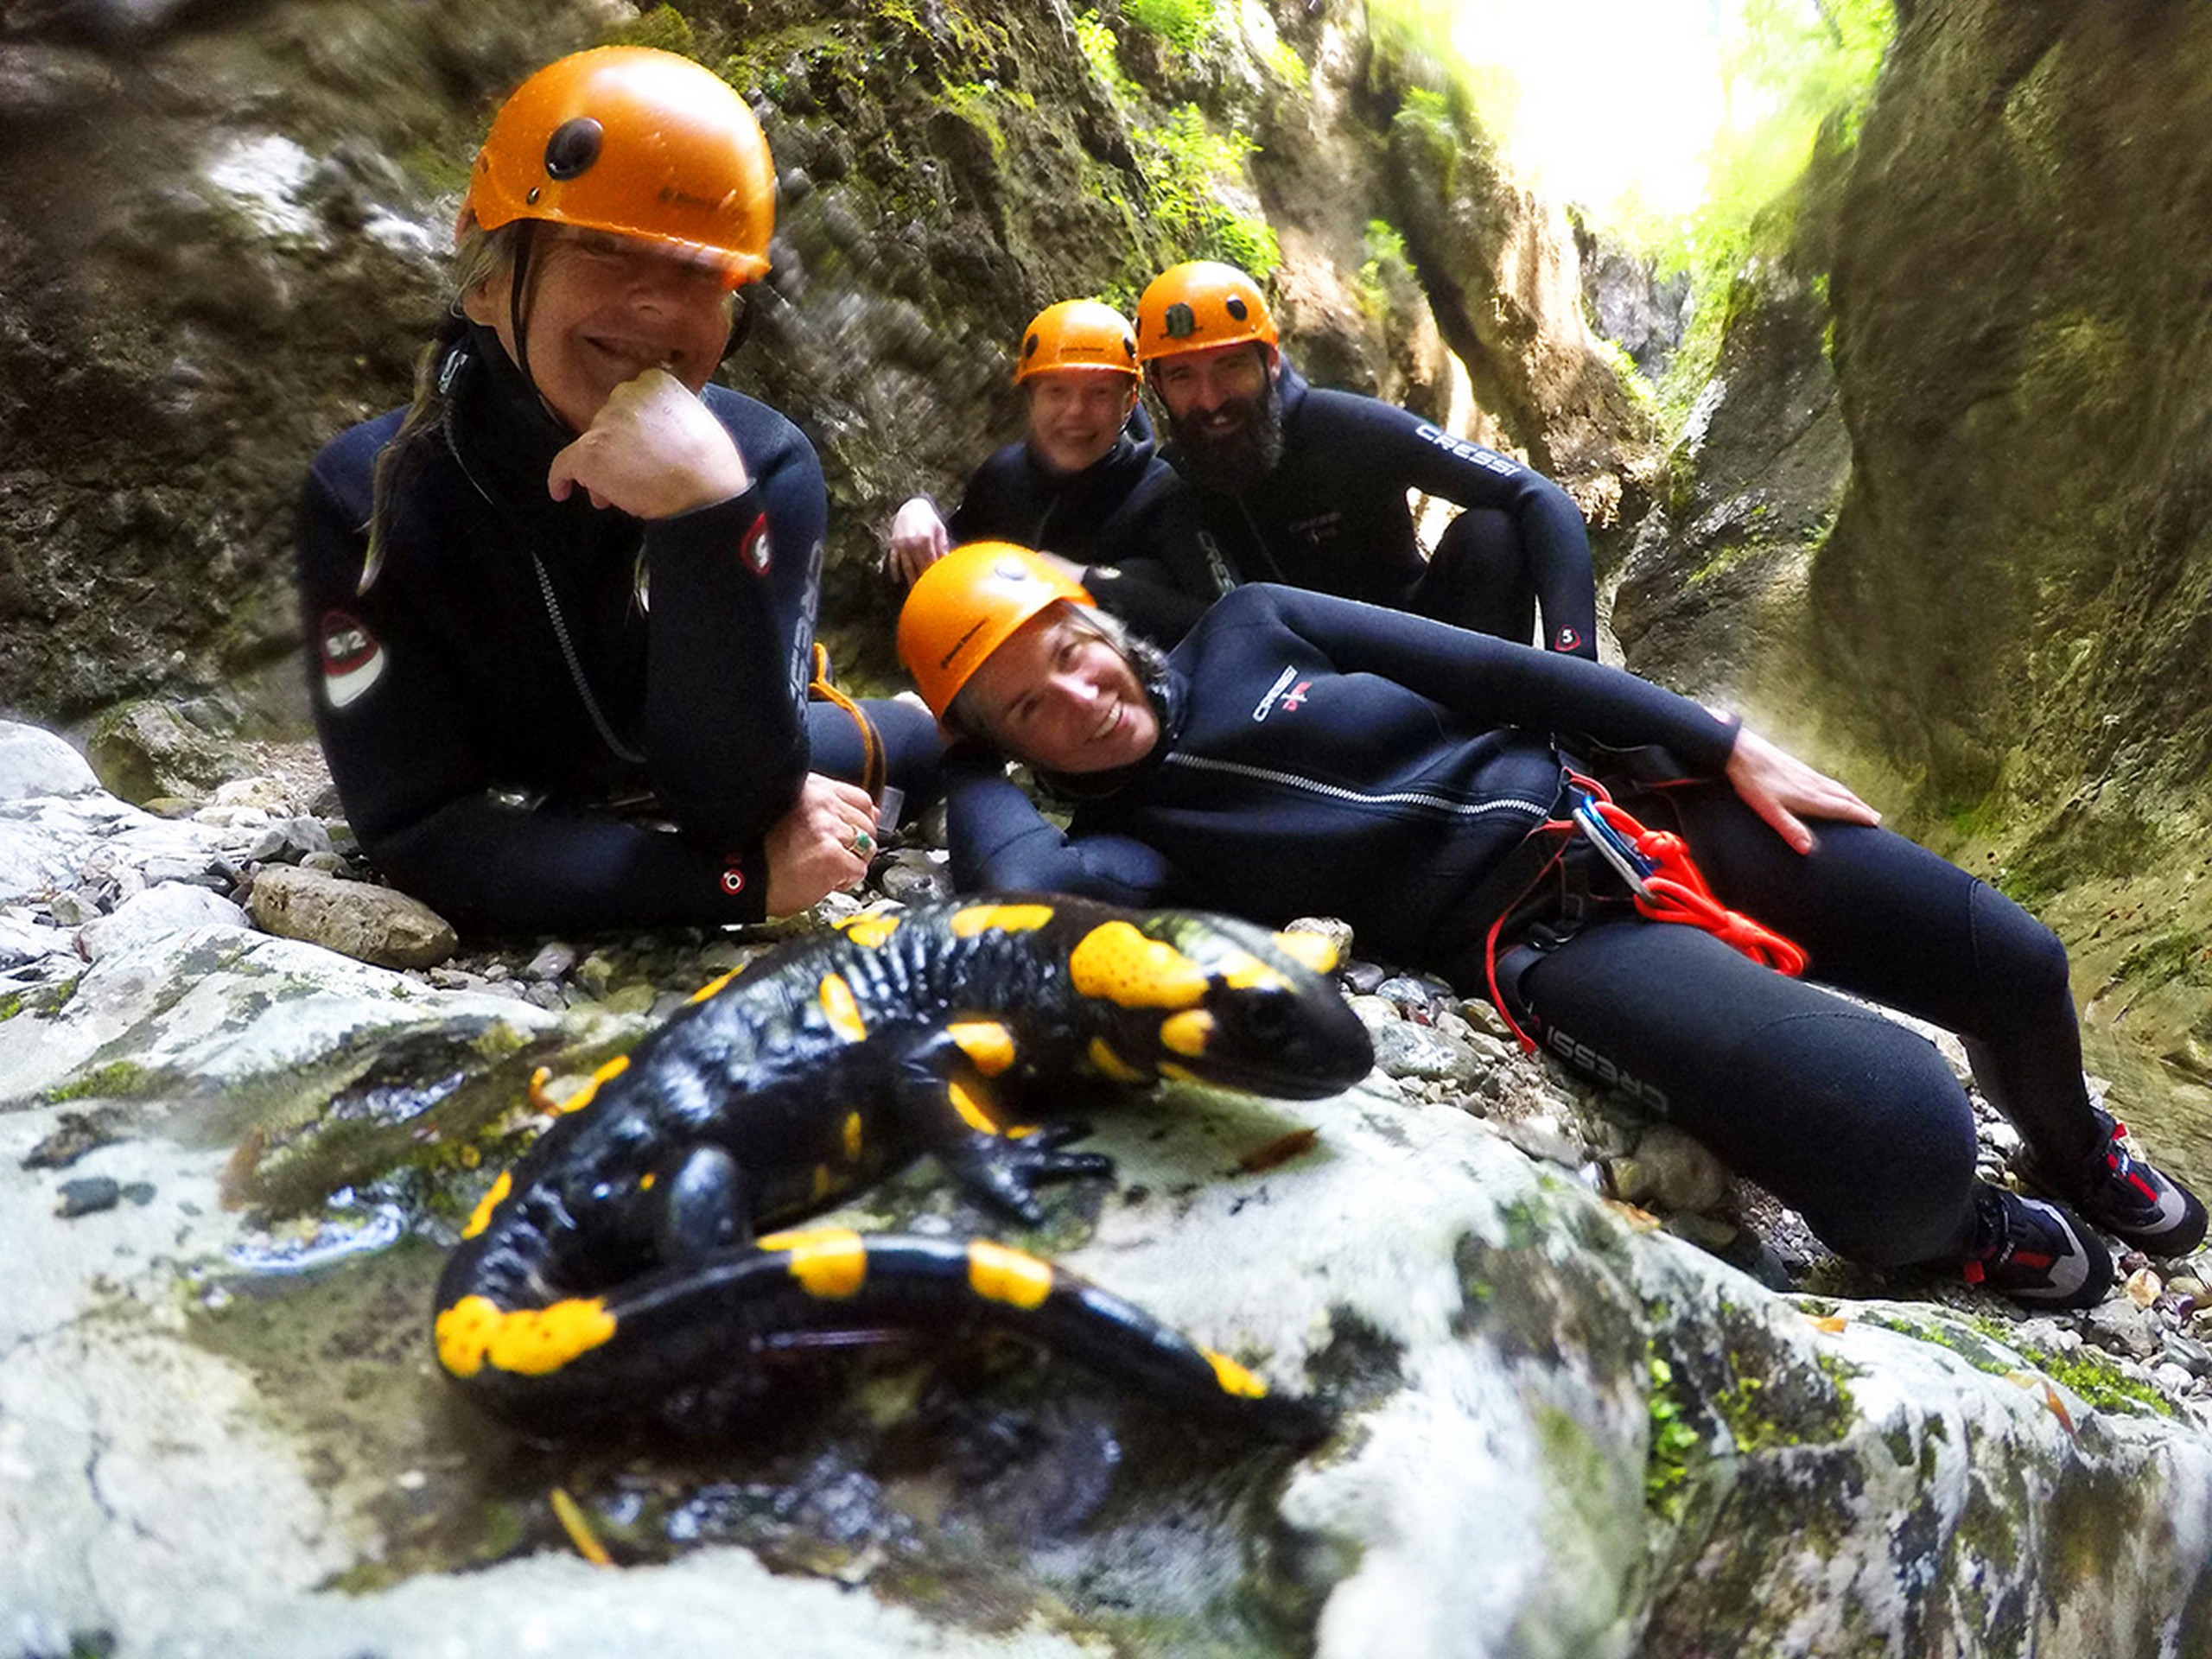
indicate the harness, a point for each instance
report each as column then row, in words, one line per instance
column 1602, row 856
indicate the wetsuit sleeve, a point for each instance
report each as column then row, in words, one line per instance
column 1497, row 682
column 418, row 794
column 1143, row 594
column 1400, row 445
column 1150, row 570
column 999, row 841
column 732, row 590
column 990, row 509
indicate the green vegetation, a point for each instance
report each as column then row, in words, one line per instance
column 1386, row 265
column 1796, row 76
column 1674, row 1443
column 1187, row 164
column 664, row 27
column 1100, row 47
column 117, row 1077
column 1184, row 24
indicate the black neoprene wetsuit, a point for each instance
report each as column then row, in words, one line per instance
column 1323, row 757
column 502, row 714
column 1109, row 518
column 1332, row 516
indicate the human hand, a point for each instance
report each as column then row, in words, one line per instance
column 919, row 539
column 822, row 843
column 652, row 451
column 1778, row 787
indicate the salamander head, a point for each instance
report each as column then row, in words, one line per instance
column 1202, row 998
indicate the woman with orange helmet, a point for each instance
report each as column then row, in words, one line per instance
column 1084, row 485
column 563, row 603
column 1300, row 754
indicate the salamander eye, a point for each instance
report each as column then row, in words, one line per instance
column 1265, row 1015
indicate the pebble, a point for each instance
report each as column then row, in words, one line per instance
column 553, row 961
column 88, row 1195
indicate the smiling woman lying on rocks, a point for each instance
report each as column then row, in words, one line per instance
column 1297, row 752
column 570, row 591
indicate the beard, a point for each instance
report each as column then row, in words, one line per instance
column 1239, row 457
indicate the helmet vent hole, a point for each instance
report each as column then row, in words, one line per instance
column 573, row 146
column 1237, row 309
column 1029, row 346
column 1181, row 321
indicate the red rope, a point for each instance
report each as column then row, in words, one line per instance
column 1677, row 893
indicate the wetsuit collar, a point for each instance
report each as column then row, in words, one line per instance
column 506, row 436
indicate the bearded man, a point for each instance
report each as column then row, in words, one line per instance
column 1295, row 484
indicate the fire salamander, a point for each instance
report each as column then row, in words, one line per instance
column 617, row 1264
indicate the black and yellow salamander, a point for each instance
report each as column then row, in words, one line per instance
column 616, row 1270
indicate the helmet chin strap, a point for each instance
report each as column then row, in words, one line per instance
column 525, row 241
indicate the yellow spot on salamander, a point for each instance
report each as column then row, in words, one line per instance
column 870, row 931
column 825, row 1183
column 481, row 1217
column 539, row 1100
column 646, row 1181
column 1234, row 1378
column 1111, row 1064
column 853, row 1128
column 532, row 1341
column 1187, row 1032
column 464, row 1333
column 1310, row 949
column 999, row 1274
column 1004, row 919
column 988, row 1044
column 714, row 985
column 845, row 1011
column 830, row 1262
column 1245, row 971
column 606, row 1074
column 971, row 1109
column 1118, row 964
column 1175, row 1073
column 570, row 1515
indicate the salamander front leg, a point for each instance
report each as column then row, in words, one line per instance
column 944, row 1096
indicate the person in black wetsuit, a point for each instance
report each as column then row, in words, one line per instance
column 1297, row 484
column 567, row 598
column 1085, row 484
column 1298, row 753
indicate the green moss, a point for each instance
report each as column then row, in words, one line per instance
column 11, row 1006
column 1992, row 1346
column 2100, row 1382
column 664, row 27
column 123, row 1078
column 1674, row 1444
column 2170, row 958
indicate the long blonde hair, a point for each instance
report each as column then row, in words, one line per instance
column 479, row 255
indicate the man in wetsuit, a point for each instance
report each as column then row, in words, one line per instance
column 1301, row 485
column 1084, row 485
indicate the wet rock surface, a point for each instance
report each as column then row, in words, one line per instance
column 1558, row 1334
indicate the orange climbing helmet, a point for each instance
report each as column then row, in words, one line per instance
column 638, row 141
column 1077, row 334
column 1198, row 305
column 966, row 606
